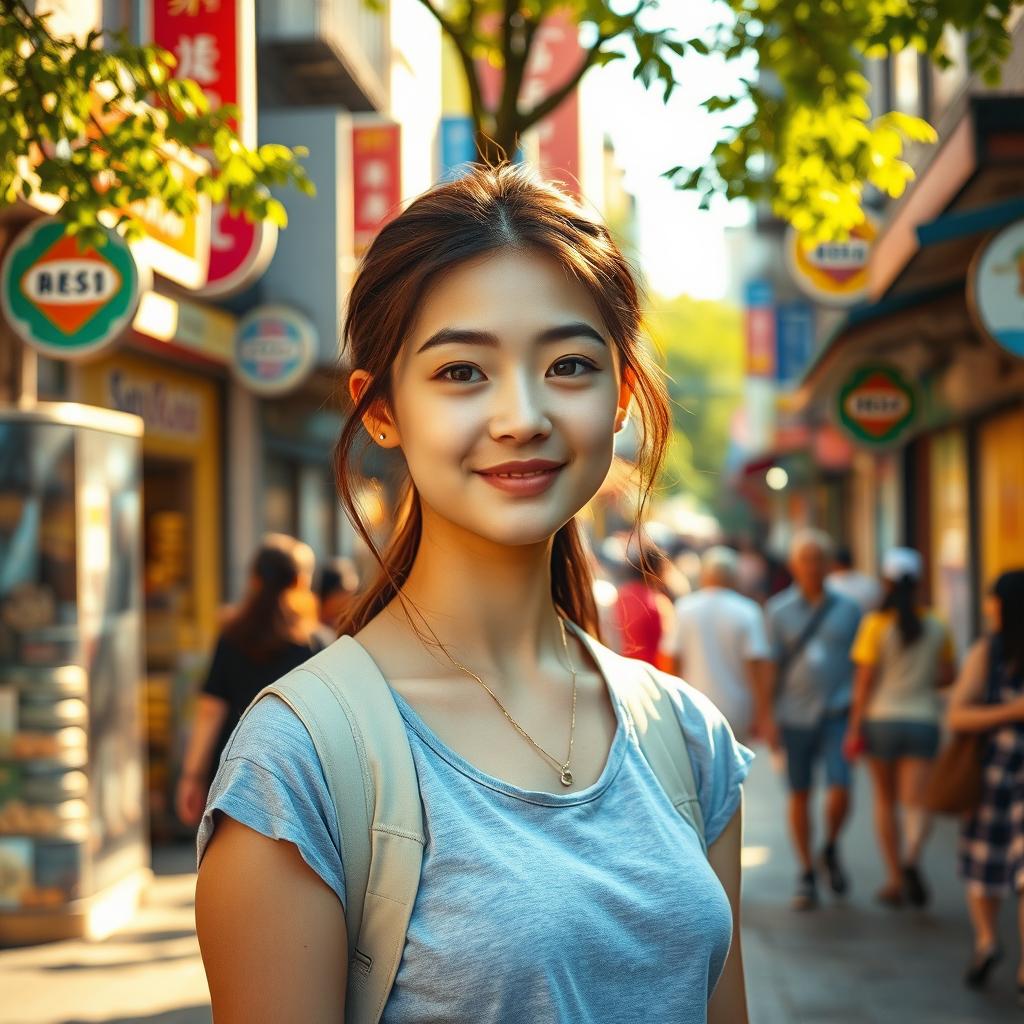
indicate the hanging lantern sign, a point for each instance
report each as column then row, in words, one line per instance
column 876, row 405
column 65, row 301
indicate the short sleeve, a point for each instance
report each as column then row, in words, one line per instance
column 270, row 779
column 756, row 636
column 776, row 643
column 720, row 762
column 866, row 645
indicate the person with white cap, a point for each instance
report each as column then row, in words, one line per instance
column 904, row 655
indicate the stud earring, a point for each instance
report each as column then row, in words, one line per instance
column 381, row 436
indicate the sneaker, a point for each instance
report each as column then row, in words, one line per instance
column 913, row 885
column 837, row 879
column 806, row 895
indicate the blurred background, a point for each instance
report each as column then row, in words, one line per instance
column 851, row 365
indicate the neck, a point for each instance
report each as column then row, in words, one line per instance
column 489, row 604
column 812, row 594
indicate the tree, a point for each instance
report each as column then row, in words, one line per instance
column 97, row 126
column 804, row 138
column 701, row 346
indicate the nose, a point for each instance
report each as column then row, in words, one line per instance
column 519, row 413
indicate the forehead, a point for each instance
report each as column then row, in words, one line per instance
column 507, row 293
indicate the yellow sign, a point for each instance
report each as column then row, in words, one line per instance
column 835, row 273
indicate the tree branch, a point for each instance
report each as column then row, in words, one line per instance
column 459, row 35
column 553, row 100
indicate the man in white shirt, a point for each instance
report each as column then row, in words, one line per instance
column 720, row 645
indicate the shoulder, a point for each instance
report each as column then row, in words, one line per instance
column 780, row 602
column 270, row 779
column 845, row 607
column 720, row 763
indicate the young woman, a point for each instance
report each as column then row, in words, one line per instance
column 988, row 697
column 268, row 635
column 494, row 331
column 903, row 656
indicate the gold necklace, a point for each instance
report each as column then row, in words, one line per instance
column 564, row 773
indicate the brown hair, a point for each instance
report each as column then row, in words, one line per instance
column 490, row 209
column 272, row 615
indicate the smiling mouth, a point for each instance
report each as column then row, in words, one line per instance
column 524, row 476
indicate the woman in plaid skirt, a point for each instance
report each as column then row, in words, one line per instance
column 989, row 698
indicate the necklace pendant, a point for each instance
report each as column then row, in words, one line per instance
column 566, row 777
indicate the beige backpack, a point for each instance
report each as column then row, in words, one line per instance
column 346, row 706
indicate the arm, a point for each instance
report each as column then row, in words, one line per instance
column 966, row 713
column 761, row 677
column 195, row 769
column 864, row 680
column 271, row 932
column 728, row 1005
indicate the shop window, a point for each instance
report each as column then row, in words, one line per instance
column 907, row 92
column 1001, row 495
column 280, row 497
column 950, row 534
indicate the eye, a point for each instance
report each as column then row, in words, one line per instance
column 460, row 373
column 567, row 367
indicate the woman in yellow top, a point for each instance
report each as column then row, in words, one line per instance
column 903, row 657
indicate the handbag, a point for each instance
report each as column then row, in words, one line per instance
column 346, row 706
column 957, row 779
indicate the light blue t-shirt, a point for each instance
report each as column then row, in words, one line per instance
column 593, row 906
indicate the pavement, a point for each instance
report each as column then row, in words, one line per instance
column 849, row 962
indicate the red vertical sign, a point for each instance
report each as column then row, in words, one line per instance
column 214, row 43
column 376, row 179
column 554, row 57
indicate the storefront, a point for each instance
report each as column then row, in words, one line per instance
column 947, row 318
column 182, row 530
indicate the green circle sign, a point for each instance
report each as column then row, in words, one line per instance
column 876, row 404
column 66, row 301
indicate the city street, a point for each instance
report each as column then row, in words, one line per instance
column 852, row 963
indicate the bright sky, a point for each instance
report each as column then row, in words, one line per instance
column 682, row 249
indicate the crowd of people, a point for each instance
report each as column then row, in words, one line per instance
column 834, row 666
column 818, row 661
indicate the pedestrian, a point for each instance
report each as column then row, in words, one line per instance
column 904, row 655
column 811, row 630
column 495, row 333
column 643, row 610
column 861, row 588
column 721, row 648
column 988, row 698
column 266, row 636
column 338, row 585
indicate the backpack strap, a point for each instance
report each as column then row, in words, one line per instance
column 346, row 706
column 644, row 693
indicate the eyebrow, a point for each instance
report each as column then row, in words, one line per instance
column 457, row 336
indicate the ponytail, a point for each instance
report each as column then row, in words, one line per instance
column 902, row 598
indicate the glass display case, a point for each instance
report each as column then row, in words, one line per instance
column 74, row 854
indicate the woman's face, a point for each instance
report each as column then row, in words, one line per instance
column 506, row 398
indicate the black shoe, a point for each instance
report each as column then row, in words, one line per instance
column 806, row 895
column 981, row 966
column 914, row 887
column 837, row 879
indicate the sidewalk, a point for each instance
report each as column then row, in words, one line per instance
column 849, row 963
column 856, row 962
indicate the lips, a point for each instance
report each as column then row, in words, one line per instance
column 525, row 479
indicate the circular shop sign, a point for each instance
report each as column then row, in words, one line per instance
column 876, row 404
column 275, row 349
column 996, row 288
column 835, row 273
column 65, row 301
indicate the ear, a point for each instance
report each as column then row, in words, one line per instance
column 626, row 389
column 377, row 419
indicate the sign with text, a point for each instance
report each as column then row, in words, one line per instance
column 759, row 303
column 275, row 349
column 376, row 178
column 876, row 405
column 794, row 340
column 214, row 42
column 835, row 273
column 65, row 301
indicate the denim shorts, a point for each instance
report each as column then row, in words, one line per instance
column 806, row 745
column 889, row 741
